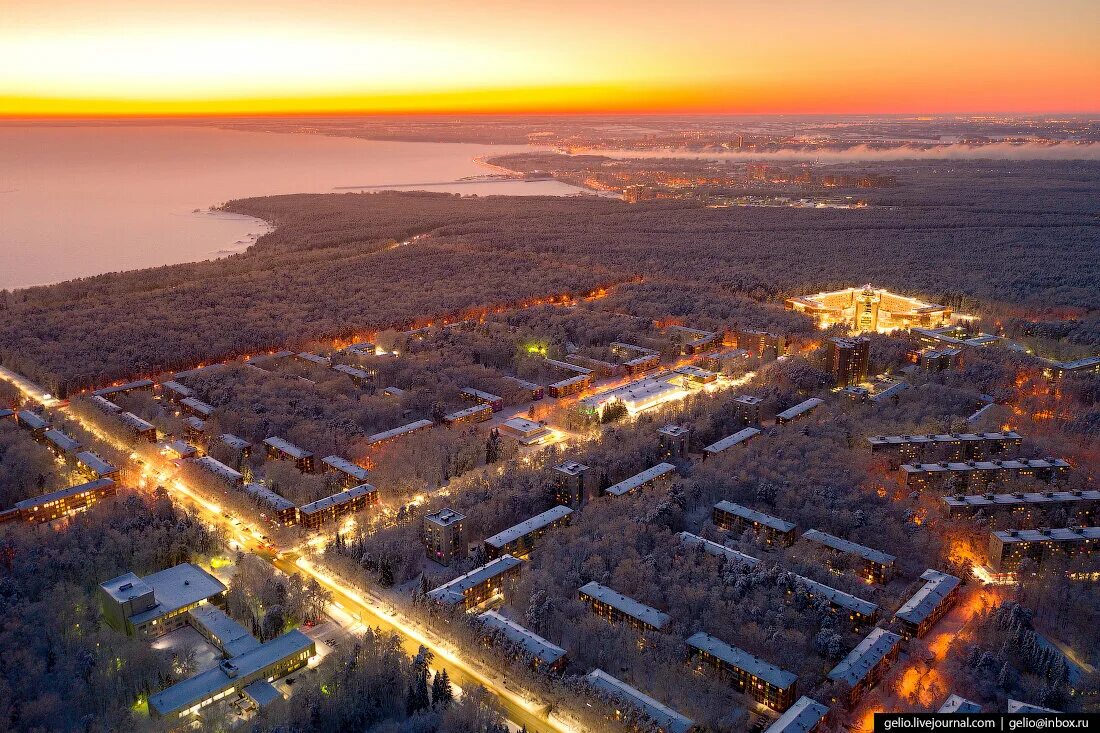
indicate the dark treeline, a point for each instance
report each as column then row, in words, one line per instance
column 983, row 231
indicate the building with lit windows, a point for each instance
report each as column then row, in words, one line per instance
column 866, row 664
column 138, row 385
column 350, row 473
column 945, row 446
column 63, row 503
column 617, row 608
column 483, row 398
column 524, row 431
column 234, row 443
column 320, row 512
column 928, row 605
column 1077, row 503
column 441, row 533
column 1009, row 547
column 219, row 470
column 157, row 604
column 570, row 484
column 95, row 467
column 475, row 414
column 542, row 655
column 763, row 682
column 801, row 410
column 805, row 716
column 139, row 427
column 250, row 674
column 730, row 517
column 875, row 566
column 746, row 410
column 674, row 441
column 388, row 436
column 60, row 443
column 660, row 473
column 469, row 591
column 281, row 509
column 196, row 407
column 958, row 477
column 760, row 344
column 868, row 309
column 520, row 539
column 742, row 436
column 847, row 359
column 618, row 693
column 283, row 450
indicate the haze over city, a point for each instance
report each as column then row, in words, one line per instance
column 485, row 367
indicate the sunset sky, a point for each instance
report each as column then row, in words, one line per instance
column 76, row 57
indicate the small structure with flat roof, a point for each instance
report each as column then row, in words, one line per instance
column 524, row 431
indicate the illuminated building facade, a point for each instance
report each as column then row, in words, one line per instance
column 1008, row 548
column 765, row 683
column 442, row 535
column 847, row 360
column 868, row 309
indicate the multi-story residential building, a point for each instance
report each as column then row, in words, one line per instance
column 1009, row 547
column 619, row 693
column 875, row 566
column 730, row 517
column 138, row 385
column 945, row 446
column 570, row 386
column 959, row 477
column 388, row 436
column 542, row 655
column 727, row 361
column 1026, row 505
column 241, row 446
column 535, row 392
column 928, row 605
column 469, row 591
column 63, row 503
column 660, row 473
column 441, row 532
column 61, row 444
column 282, row 510
column 220, row 470
column 141, row 428
column 520, row 539
column 746, row 410
column 617, row 608
column 311, row 358
column 196, row 427
column 866, row 664
column 483, row 398
column 760, row 344
column 173, row 391
column 158, row 603
column 32, row 422
column 475, row 414
column 317, row 513
column 713, row 548
column 283, row 450
column 361, row 377
column 858, row 611
column 765, row 683
column 742, row 436
column 570, row 484
column 350, row 473
column 674, row 441
column 847, row 359
column 805, row 716
column 197, row 408
column 94, row 467
column 798, row 411
column 692, row 340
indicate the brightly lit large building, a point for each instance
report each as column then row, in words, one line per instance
column 869, row 309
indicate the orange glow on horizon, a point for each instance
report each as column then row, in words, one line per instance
column 78, row 58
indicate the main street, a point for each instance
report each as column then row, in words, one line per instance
column 349, row 603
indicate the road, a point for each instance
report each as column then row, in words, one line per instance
column 349, row 604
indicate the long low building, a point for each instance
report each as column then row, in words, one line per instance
column 800, row 410
column 227, row 635
column 61, row 443
column 283, row 510
column 947, row 446
column 276, row 658
column 617, row 691
column 542, row 654
column 66, row 502
column 478, row 585
column 713, row 548
column 220, row 470
column 570, row 385
column 524, row 431
column 279, row 449
column 32, row 422
column 136, row 385
column 1008, row 548
column 728, row 517
column 860, row 612
column 484, row 398
column 92, row 466
column 174, row 391
column 535, row 392
column 317, row 513
column 520, row 539
column 957, row 477
column 876, row 566
column 648, row 477
column 865, row 665
column 739, row 438
column 359, row 376
column 763, row 682
column 634, row 396
column 928, row 605
column 196, row 407
column 392, row 434
column 353, row 474
column 805, row 716
column 139, row 427
column 476, row 413
column 1084, row 503
column 617, row 608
